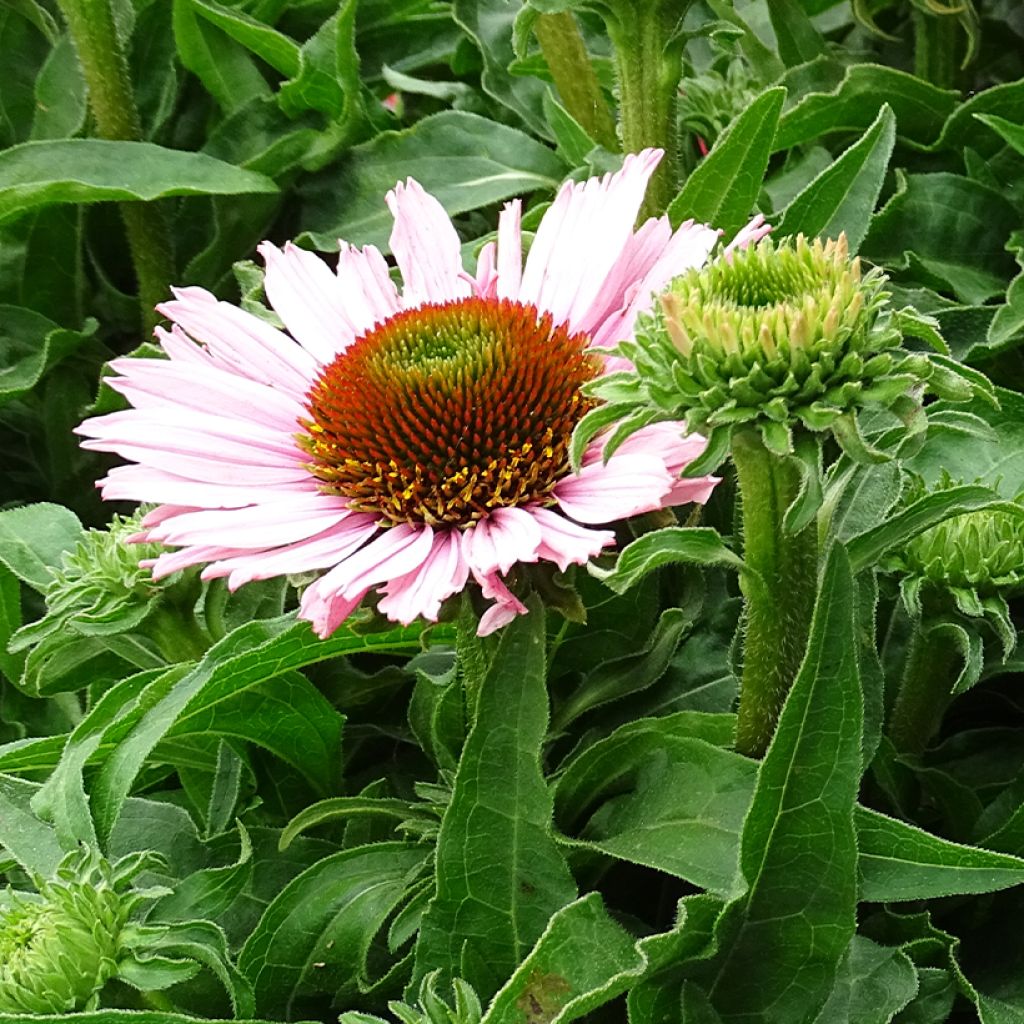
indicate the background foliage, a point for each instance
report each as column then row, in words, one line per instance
column 330, row 818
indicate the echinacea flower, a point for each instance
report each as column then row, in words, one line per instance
column 407, row 440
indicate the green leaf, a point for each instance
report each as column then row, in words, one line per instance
column 1012, row 134
column 126, row 1017
column 250, row 656
column 783, row 940
column 874, row 983
column 280, row 52
column 489, row 24
column 481, row 924
column 89, row 170
column 581, row 961
column 33, row 540
column 723, row 188
column 30, row 345
column 663, row 793
column 224, row 67
column 60, row 94
column 342, row 807
column 31, row 842
column 316, row 935
column 901, row 862
column 921, row 109
column 950, row 226
column 689, row 545
column 797, row 38
column 464, row 160
column 867, row 548
column 842, row 198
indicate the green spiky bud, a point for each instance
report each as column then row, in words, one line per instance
column 709, row 102
column 60, row 947
column 971, row 562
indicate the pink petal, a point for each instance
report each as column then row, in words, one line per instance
column 580, row 238
column 257, row 527
column 426, row 247
column 305, row 294
column 327, row 611
column 626, row 486
column 240, row 342
column 506, row 536
column 749, row 234
column 486, row 280
column 150, row 383
column 320, row 552
column 688, row 247
column 172, row 561
column 397, row 551
column 505, row 608
column 444, row 572
column 143, row 483
column 212, row 470
column 369, row 294
column 510, row 250
column 565, row 543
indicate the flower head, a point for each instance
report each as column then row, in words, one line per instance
column 406, row 440
column 58, row 949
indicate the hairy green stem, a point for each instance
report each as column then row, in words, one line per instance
column 567, row 58
column 176, row 634
column 471, row 655
column 105, row 67
column 648, row 59
column 935, row 45
column 924, row 690
column 779, row 588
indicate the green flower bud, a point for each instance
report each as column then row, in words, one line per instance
column 58, row 949
column 710, row 101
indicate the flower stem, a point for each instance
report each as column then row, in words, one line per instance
column 649, row 63
column 924, row 690
column 779, row 589
column 471, row 656
column 567, row 58
column 98, row 45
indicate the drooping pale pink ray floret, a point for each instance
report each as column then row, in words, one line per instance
column 338, row 447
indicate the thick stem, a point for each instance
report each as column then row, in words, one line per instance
column 924, row 690
column 779, row 590
column 935, row 44
column 176, row 634
column 94, row 34
column 471, row 655
column 649, row 67
column 567, row 58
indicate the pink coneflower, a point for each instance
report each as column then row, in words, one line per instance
column 406, row 441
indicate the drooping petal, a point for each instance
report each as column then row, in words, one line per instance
column 505, row 608
column 136, row 482
column 172, row 561
column 307, row 297
column 566, row 543
column 624, row 486
column 319, row 552
column 419, row 593
column 580, row 238
column 506, row 536
column 426, row 247
column 325, row 609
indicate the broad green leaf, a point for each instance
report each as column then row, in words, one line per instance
column 342, row 807
column 723, row 188
column 996, row 460
column 60, row 94
column 901, row 862
column 874, row 984
column 224, row 67
column 316, row 935
column 489, row 23
column 797, row 39
column 280, row 52
column 867, row 548
column 30, row 345
column 667, row 801
column 25, row 47
column 31, row 842
column 464, row 160
column 693, row 545
column 11, row 665
column 953, row 228
column 33, row 540
column 1007, row 325
column 482, row 923
column 581, row 961
column 783, row 940
column 1012, row 134
column 921, row 109
column 842, row 198
column 250, row 656
column 89, row 170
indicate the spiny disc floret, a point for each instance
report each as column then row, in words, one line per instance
column 447, row 411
